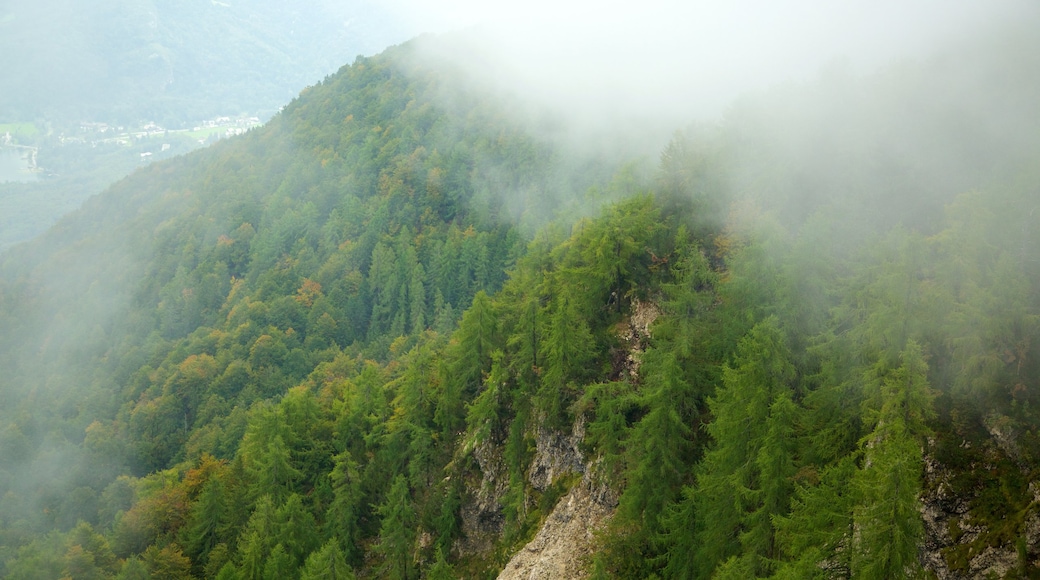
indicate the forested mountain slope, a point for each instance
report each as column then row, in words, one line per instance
column 174, row 62
column 352, row 343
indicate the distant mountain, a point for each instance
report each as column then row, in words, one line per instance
column 174, row 61
column 399, row 331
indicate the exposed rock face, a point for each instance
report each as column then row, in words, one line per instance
column 481, row 515
column 633, row 332
column 562, row 547
column 948, row 524
column 556, row 455
column 564, row 543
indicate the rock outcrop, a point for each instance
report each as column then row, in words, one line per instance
column 562, row 547
column 950, row 528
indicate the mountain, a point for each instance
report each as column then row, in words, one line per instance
column 406, row 330
column 126, row 61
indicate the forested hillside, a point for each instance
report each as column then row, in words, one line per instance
column 355, row 342
column 173, row 62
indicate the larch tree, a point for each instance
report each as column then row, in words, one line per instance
column 887, row 519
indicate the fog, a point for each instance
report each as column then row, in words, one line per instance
column 784, row 79
column 671, row 58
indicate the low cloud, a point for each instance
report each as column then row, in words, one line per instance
column 690, row 59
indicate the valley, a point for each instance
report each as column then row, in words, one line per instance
column 416, row 326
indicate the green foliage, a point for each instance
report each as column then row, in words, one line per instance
column 743, row 480
column 327, row 563
column 887, row 519
column 328, row 342
column 396, row 533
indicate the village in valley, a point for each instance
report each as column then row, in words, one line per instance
column 204, row 133
column 27, row 147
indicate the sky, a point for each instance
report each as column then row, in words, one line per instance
column 695, row 56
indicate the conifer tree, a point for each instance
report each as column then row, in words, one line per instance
column 567, row 351
column 208, row 517
column 397, row 533
column 342, row 518
column 729, row 477
column 256, row 538
column 275, row 470
column 327, row 563
column 441, row 569
column 134, row 569
column 814, row 537
column 279, row 565
column 658, row 445
column 297, row 530
column 887, row 519
column 467, row 361
column 228, row 572
column 768, row 496
column 417, row 300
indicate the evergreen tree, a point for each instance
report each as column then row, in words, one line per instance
column 275, row 470
column 467, row 361
column 769, row 495
column 815, row 536
column 658, row 445
column 134, row 569
column 228, row 572
column 417, row 300
column 441, row 569
column 256, row 538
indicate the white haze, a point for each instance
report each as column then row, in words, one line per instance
column 674, row 61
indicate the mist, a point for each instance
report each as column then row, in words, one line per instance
column 690, row 60
column 873, row 115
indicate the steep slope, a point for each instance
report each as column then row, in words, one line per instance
column 125, row 61
column 374, row 207
column 328, row 348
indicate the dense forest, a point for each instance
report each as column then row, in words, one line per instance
column 802, row 342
